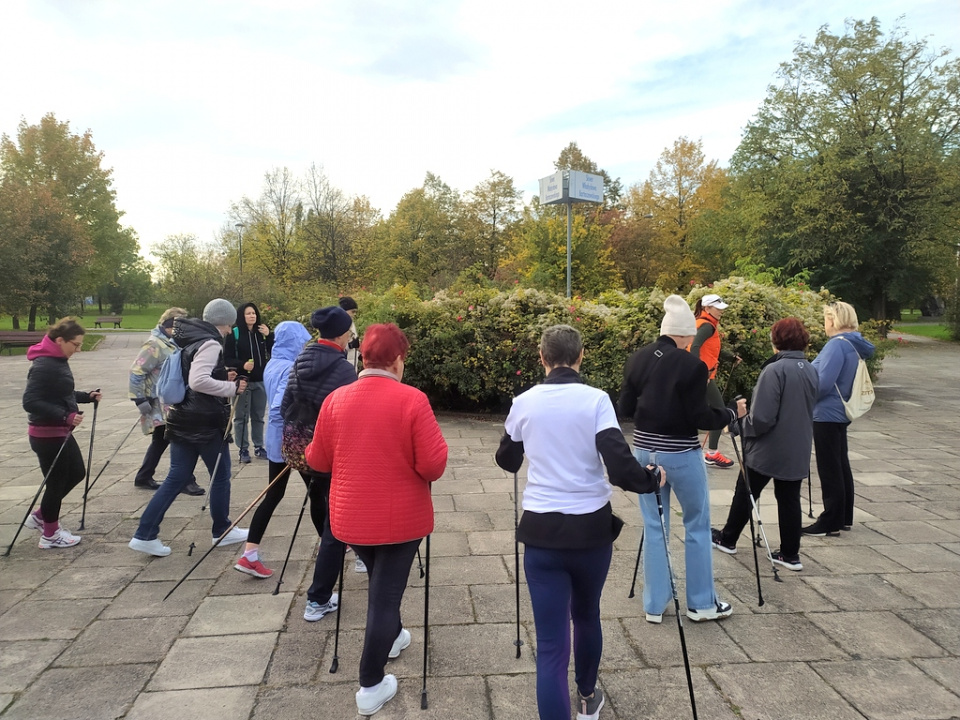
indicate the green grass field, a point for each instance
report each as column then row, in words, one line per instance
column 931, row 330
column 134, row 318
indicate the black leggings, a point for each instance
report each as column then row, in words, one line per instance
column 714, row 400
column 261, row 518
column 836, row 477
column 388, row 568
column 789, row 512
column 66, row 475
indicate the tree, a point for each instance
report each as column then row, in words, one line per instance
column 191, row 274
column 273, row 222
column 573, row 158
column 69, row 168
column 326, row 228
column 845, row 169
column 491, row 209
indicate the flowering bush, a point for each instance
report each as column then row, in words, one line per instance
column 475, row 349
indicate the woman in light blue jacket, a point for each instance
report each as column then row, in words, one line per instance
column 836, row 365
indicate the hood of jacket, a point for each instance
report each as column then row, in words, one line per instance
column 187, row 331
column 289, row 337
column 45, row 348
column 863, row 346
column 242, row 321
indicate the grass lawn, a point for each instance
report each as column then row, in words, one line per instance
column 90, row 342
column 134, row 318
column 930, row 330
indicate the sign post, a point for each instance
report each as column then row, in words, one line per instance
column 566, row 187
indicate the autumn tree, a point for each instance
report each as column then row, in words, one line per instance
column 845, row 171
column 491, row 209
column 573, row 158
column 63, row 172
column 192, row 273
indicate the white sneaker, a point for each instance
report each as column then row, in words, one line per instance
column 376, row 697
column 150, row 547
column 401, row 643
column 359, row 566
column 237, row 535
column 31, row 523
column 62, row 538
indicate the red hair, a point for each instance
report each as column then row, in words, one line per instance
column 382, row 344
column 789, row 334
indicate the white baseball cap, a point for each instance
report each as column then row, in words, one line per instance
column 713, row 301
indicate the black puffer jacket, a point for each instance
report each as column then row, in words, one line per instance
column 200, row 418
column 318, row 370
column 49, row 397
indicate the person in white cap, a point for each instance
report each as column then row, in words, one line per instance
column 663, row 392
column 706, row 346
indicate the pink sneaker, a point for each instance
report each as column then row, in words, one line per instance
column 255, row 568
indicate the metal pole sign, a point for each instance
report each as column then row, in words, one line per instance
column 566, row 187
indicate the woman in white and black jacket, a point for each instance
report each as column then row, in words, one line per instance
column 777, row 436
column 568, row 431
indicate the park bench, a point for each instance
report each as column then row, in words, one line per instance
column 19, row 338
column 115, row 319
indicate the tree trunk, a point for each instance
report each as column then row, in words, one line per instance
column 32, row 318
column 16, row 322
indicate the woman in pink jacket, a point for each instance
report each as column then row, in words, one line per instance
column 381, row 443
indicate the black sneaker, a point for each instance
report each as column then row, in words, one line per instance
column 260, row 452
column 718, row 543
column 789, row 563
column 588, row 708
column 244, row 455
column 818, row 530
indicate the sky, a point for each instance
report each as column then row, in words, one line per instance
column 192, row 103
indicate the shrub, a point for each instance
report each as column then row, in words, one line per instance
column 475, row 349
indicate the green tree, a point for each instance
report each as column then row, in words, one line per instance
column 492, row 208
column 192, row 274
column 845, row 169
column 69, row 167
column 573, row 158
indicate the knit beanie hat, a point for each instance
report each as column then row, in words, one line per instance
column 332, row 322
column 348, row 303
column 679, row 319
column 220, row 312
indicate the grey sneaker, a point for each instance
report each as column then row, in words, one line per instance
column 588, row 708
column 314, row 610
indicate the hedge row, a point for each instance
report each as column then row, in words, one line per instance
column 474, row 350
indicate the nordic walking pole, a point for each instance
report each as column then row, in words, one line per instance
column 756, row 511
column 39, row 490
column 216, row 543
column 809, row 494
column 516, row 558
column 673, row 588
column 426, row 627
column 296, row 529
column 419, row 562
column 335, row 665
column 223, row 444
column 636, row 568
column 86, row 480
column 116, row 450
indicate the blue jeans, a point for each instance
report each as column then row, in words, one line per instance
column 566, row 585
column 687, row 477
column 183, row 461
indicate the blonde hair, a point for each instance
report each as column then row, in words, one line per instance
column 843, row 314
column 172, row 314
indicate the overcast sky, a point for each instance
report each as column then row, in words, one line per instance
column 192, row 102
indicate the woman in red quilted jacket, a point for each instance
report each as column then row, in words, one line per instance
column 381, row 443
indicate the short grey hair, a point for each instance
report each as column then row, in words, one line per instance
column 561, row 345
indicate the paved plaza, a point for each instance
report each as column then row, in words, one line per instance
column 869, row 629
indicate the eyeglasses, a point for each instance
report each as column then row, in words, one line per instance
column 77, row 345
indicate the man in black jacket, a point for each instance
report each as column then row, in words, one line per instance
column 664, row 391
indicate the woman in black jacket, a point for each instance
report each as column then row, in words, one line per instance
column 246, row 350
column 51, row 403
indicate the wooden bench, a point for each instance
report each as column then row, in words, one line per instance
column 19, row 338
column 115, row 319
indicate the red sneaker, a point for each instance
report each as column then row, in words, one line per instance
column 255, row 568
column 717, row 460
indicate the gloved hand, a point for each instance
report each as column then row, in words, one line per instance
column 354, row 344
column 734, row 428
column 144, row 406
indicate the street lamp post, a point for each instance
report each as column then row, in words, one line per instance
column 240, row 226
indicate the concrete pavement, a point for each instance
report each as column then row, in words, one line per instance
column 869, row 629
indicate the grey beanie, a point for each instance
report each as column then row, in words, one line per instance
column 220, row 312
column 679, row 320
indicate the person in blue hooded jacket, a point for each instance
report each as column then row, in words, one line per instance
column 289, row 339
column 836, row 367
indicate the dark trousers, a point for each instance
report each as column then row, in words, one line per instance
column 66, row 475
column 158, row 444
column 789, row 512
column 714, row 400
column 329, row 563
column 565, row 586
column 261, row 518
column 836, row 478
column 388, row 568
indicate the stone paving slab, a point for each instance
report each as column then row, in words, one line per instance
column 869, row 629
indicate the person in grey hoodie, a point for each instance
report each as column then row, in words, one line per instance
column 289, row 339
column 777, row 435
column 837, row 365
